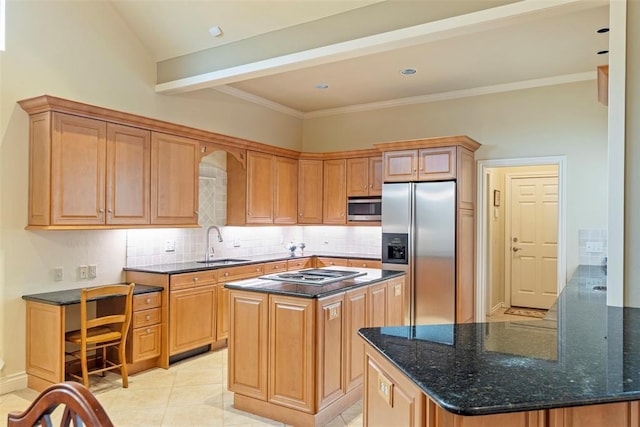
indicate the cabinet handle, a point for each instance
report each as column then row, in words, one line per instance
column 365, row 187
column 300, row 213
column 226, row 274
column 148, row 330
column 370, row 185
column 257, row 270
column 110, row 211
column 148, row 301
column 196, row 212
column 195, row 279
column 148, row 317
column 101, row 210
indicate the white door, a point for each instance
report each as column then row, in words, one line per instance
column 534, row 240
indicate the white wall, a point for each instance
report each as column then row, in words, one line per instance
column 562, row 120
column 82, row 51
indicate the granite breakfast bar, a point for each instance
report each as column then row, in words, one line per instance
column 580, row 366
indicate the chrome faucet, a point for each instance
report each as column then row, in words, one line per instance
column 209, row 247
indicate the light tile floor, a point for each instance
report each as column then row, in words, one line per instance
column 192, row 392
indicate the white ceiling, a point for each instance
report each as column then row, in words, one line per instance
column 524, row 44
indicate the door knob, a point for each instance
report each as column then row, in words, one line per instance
column 516, row 249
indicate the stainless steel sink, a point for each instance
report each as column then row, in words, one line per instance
column 223, row 261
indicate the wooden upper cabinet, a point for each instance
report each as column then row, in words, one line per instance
column 285, row 191
column 334, row 194
column 400, row 166
column 78, row 153
column 310, row 191
column 437, row 164
column 260, row 187
column 174, row 179
column 128, row 175
column 364, row 176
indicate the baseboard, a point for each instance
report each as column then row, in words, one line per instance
column 13, row 383
column 495, row 308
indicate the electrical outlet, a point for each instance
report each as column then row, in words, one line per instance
column 170, row 246
column 236, row 243
column 58, row 274
column 93, row 270
column 594, row 247
column 83, row 271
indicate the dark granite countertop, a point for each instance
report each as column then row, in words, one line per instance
column 191, row 266
column 72, row 296
column 582, row 353
column 314, row 291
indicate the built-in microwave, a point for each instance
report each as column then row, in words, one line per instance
column 364, row 209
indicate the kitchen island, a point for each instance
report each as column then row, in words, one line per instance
column 294, row 353
column 577, row 367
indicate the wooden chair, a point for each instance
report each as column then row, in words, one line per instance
column 102, row 332
column 81, row 408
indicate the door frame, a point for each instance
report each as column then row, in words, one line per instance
column 507, row 227
column 482, row 257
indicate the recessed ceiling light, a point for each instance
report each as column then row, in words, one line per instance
column 602, row 30
column 408, row 71
column 602, row 52
column 322, row 86
column 215, row 31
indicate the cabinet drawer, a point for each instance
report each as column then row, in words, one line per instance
column 275, row 267
column 240, row 272
column 145, row 343
column 146, row 301
column 365, row 263
column 146, row 317
column 297, row 264
column 188, row 280
column 328, row 262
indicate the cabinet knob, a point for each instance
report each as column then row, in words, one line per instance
column 226, row 274
column 370, row 185
column 414, row 171
column 148, row 330
column 101, row 210
column 110, row 211
column 148, row 301
column 257, row 270
column 148, row 317
column 196, row 212
column 365, row 187
column 195, row 279
column 300, row 213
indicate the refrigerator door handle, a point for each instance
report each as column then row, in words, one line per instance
column 411, row 255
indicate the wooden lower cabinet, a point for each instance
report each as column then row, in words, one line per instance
column 378, row 302
column 222, row 312
column 248, row 343
column 391, row 399
column 299, row 361
column 396, row 301
column 192, row 321
column 331, row 262
column 291, row 352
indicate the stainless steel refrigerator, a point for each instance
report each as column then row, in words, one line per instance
column 419, row 237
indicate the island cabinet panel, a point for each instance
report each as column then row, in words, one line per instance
column 222, row 312
column 334, row 192
column 174, row 179
column 248, row 343
column 78, row 159
column 389, row 398
column 310, row 191
column 622, row 414
column 292, row 352
column 128, row 175
column 378, row 304
column 443, row 418
column 331, row 337
column 260, row 180
column 192, row 319
column 356, row 317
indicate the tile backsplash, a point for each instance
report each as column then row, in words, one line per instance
column 149, row 246
column 592, row 246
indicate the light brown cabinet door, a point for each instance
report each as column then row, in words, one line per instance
column 128, row 174
column 378, row 303
column 192, row 318
column 331, row 262
column 285, row 191
column 145, row 343
column 260, row 184
column 356, row 317
column 465, row 247
column 334, row 194
column 331, row 335
column 400, row 166
column 364, row 263
column 375, row 176
column 358, row 177
column 396, row 302
column 248, row 343
column 310, row 191
column 292, row 351
column 174, row 180
column 222, row 313
column 437, row 164
column 78, row 158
